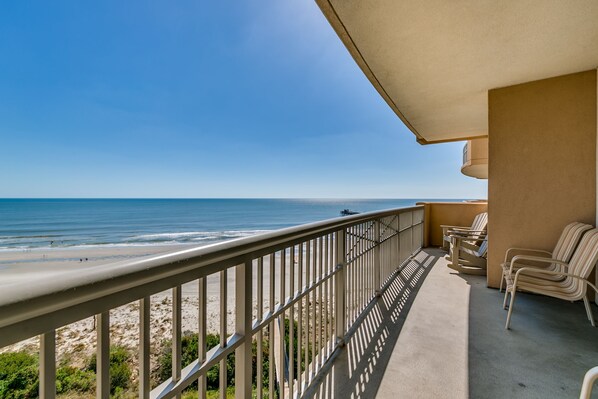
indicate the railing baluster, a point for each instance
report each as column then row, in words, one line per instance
column 292, row 323
column 314, row 307
column 354, row 277
column 47, row 365
column 282, row 277
column 330, row 285
column 398, row 245
column 377, row 267
column 223, row 333
column 272, row 303
column 353, row 274
column 339, row 289
column 361, row 269
column 103, row 356
column 367, row 265
column 320, row 293
column 281, row 325
column 400, row 260
column 300, row 322
column 201, row 333
column 260, row 335
column 243, row 319
column 176, row 334
column 327, row 295
column 144, row 347
column 307, row 308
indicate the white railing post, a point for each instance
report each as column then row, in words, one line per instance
column 423, row 223
column 202, row 290
column 47, row 365
column 243, row 319
column 177, row 346
column 399, row 259
column 339, row 300
column 103, row 356
column 222, row 377
column 377, row 249
column 412, row 235
column 144, row 347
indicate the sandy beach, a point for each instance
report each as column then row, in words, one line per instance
column 77, row 341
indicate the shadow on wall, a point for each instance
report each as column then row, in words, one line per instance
column 359, row 368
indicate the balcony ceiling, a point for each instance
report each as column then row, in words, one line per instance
column 434, row 61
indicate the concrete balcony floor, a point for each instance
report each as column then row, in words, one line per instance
column 437, row 334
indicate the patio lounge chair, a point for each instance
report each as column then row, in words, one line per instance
column 562, row 251
column 573, row 283
column 477, row 229
column 466, row 256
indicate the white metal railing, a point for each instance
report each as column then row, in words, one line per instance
column 318, row 278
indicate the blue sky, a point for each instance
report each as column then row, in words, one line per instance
column 200, row 99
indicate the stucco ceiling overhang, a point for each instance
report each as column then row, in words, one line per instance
column 433, row 61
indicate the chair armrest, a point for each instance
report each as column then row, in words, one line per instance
column 451, row 231
column 588, row 382
column 533, row 270
column 509, row 255
column 458, row 238
column 539, row 259
column 448, row 226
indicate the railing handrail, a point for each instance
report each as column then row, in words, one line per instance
column 91, row 289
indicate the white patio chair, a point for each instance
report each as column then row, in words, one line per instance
column 468, row 254
column 563, row 250
column 573, row 282
column 477, row 229
column 588, row 383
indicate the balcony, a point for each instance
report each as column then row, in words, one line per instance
column 475, row 158
column 437, row 334
column 374, row 315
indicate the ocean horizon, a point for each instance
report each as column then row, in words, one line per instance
column 61, row 223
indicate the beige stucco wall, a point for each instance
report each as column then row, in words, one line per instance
column 542, row 162
column 448, row 213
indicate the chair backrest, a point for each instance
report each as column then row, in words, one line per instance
column 479, row 224
column 480, row 221
column 568, row 240
column 582, row 262
column 483, row 251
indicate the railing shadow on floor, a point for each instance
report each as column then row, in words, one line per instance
column 357, row 369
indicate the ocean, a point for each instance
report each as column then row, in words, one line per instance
column 70, row 223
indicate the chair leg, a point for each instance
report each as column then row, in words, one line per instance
column 589, row 310
column 511, row 305
column 502, row 279
column 454, row 252
column 504, row 302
